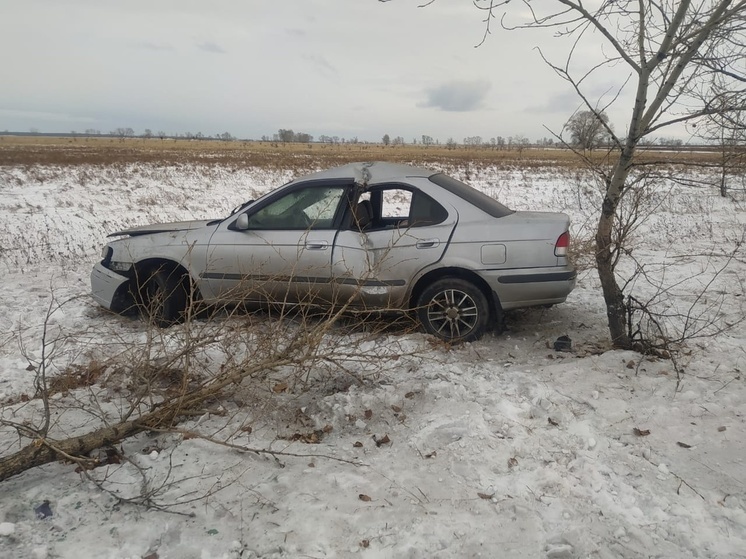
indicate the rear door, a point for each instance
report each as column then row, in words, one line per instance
column 373, row 266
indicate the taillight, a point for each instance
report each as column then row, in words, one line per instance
column 562, row 244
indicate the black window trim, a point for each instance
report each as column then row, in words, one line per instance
column 381, row 186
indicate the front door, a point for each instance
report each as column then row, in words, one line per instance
column 283, row 251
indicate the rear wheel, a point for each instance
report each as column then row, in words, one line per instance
column 453, row 309
column 164, row 297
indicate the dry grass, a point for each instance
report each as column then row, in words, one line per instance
column 45, row 150
column 76, row 376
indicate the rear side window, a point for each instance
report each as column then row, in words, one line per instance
column 394, row 206
column 426, row 211
column 471, row 195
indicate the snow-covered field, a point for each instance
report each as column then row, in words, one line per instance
column 499, row 448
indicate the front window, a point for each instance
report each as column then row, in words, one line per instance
column 307, row 208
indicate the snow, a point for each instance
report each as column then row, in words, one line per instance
column 498, row 448
column 7, row 528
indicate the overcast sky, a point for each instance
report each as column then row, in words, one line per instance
column 351, row 68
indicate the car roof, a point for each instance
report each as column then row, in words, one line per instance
column 370, row 172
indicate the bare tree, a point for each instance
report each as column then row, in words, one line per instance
column 300, row 342
column 386, row 139
column 588, row 129
column 285, row 136
column 520, row 142
column 123, row 132
column 681, row 61
column 727, row 131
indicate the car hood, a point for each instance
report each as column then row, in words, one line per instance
column 163, row 227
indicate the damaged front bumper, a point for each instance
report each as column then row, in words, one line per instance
column 110, row 289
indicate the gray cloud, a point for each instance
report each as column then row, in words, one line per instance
column 43, row 116
column 564, row 102
column 458, row 96
column 209, row 46
column 323, row 65
column 153, row 46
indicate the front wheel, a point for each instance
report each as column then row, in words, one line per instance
column 453, row 309
column 164, row 297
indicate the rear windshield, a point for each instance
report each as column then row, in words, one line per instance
column 471, row 195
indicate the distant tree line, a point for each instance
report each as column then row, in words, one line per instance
column 585, row 128
column 288, row 136
column 148, row 133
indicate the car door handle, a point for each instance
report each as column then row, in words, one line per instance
column 428, row 243
column 317, row 245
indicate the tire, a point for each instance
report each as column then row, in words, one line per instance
column 164, row 297
column 454, row 310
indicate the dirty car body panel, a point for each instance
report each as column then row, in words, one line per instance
column 368, row 236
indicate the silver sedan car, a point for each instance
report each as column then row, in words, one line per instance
column 361, row 237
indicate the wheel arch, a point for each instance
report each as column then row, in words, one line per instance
column 142, row 270
column 460, row 273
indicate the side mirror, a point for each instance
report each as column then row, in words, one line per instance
column 242, row 223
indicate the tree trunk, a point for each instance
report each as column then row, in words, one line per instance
column 616, row 310
column 161, row 416
column 41, row 452
column 44, row 451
